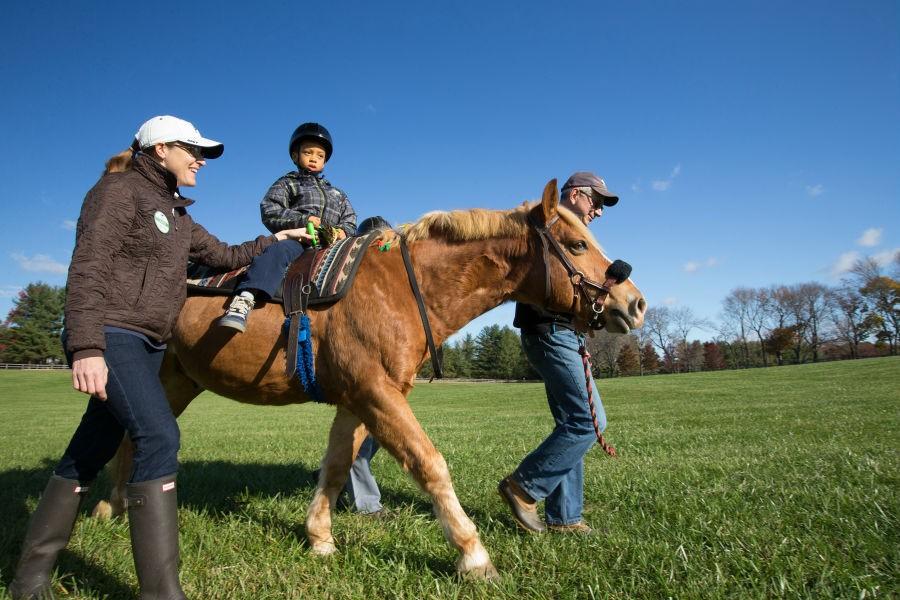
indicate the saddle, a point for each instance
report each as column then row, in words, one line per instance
column 328, row 271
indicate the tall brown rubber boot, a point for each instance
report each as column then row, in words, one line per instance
column 48, row 533
column 153, row 520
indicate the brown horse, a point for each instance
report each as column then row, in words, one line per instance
column 370, row 345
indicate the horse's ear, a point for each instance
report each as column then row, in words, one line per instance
column 550, row 200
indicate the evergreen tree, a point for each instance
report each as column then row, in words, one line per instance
column 466, row 355
column 712, row 357
column 512, row 363
column 487, row 352
column 628, row 362
column 32, row 328
column 649, row 359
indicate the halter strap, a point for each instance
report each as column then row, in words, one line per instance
column 580, row 283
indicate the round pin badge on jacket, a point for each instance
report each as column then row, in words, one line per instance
column 162, row 222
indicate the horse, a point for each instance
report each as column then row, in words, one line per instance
column 369, row 346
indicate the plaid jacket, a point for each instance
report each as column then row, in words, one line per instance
column 301, row 194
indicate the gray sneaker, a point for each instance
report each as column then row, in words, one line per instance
column 237, row 313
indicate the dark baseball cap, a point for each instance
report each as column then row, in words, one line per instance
column 588, row 179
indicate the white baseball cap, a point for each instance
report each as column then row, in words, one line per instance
column 164, row 129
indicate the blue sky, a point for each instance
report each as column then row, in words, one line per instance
column 752, row 143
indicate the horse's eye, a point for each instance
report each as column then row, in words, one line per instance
column 578, row 247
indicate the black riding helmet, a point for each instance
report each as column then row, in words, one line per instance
column 371, row 224
column 311, row 131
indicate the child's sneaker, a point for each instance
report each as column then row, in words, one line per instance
column 238, row 311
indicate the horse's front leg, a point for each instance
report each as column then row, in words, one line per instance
column 392, row 422
column 119, row 469
column 347, row 434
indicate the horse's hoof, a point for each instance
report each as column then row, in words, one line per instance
column 103, row 510
column 324, row 548
column 481, row 573
column 477, row 568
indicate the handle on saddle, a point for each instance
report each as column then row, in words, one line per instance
column 311, row 230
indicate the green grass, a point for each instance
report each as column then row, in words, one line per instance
column 779, row 482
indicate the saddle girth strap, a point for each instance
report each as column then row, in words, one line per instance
column 437, row 357
column 296, row 296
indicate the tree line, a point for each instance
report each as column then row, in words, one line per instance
column 774, row 325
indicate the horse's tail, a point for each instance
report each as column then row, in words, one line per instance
column 120, row 162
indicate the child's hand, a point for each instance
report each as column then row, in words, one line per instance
column 298, row 234
column 314, row 220
column 339, row 234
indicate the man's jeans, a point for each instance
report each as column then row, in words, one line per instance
column 361, row 485
column 137, row 404
column 268, row 269
column 555, row 470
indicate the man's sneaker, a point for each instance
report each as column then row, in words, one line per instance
column 238, row 311
column 580, row 527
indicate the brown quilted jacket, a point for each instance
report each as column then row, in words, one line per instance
column 132, row 245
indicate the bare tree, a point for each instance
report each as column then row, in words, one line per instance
column 604, row 348
column 642, row 338
column 815, row 299
column 684, row 321
column 758, row 318
column 735, row 320
column 848, row 314
column 658, row 323
column 779, row 306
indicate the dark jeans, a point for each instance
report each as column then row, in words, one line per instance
column 554, row 471
column 137, row 405
column 268, row 269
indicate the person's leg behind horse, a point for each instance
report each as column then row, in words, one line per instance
column 361, row 484
column 260, row 282
column 346, row 436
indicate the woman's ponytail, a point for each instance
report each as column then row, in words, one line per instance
column 120, row 162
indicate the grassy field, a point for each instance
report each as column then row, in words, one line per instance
column 779, row 482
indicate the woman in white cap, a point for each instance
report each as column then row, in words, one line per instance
column 126, row 286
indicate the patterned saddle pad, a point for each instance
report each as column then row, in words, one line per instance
column 331, row 271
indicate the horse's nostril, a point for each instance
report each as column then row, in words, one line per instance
column 638, row 307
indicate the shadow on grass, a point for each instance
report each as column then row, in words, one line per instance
column 214, row 488
column 19, row 488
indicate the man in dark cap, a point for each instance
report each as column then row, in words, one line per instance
column 554, row 471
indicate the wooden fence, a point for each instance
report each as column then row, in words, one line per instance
column 13, row 366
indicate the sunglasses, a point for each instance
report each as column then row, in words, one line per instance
column 597, row 203
column 195, row 152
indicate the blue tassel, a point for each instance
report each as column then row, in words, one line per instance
column 305, row 365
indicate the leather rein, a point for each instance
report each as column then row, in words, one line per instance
column 437, row 354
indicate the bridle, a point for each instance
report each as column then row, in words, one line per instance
column 593, row 292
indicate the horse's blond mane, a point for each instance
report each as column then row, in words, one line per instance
column 481, row 224
column 467, row 225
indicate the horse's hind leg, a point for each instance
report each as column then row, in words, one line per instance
column 347, row 434
column 180, row 390
column 392, row 422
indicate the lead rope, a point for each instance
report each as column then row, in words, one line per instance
column 586, row 359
